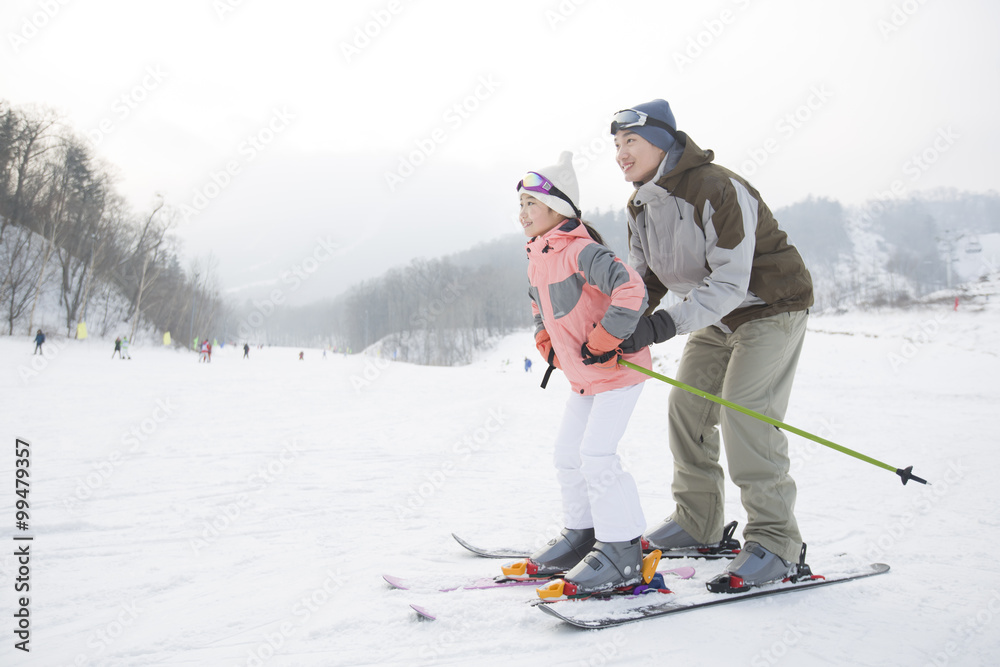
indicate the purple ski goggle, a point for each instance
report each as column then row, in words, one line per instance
column 535, row 182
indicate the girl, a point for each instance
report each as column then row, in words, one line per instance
column 585, row 301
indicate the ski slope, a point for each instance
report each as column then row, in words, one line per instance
column 242, row 512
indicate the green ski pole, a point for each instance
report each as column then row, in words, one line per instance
column 906, row 474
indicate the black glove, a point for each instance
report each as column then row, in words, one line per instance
column 591, row 358
column 655, row 328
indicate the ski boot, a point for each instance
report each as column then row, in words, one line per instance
column 609, row 565
column 612, row 568
column 756, row 566
column 559, row 555
column 675, row 542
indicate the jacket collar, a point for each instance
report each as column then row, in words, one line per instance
column 558, row 237
column 672, row 169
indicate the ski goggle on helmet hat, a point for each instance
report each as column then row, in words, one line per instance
column 629, row 118
column 535, row 182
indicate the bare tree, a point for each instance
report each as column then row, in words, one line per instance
column 101, row 245
column 22, row 264
column 24, row 139
column 147, row 251
column 86, row 202
column 54, row 218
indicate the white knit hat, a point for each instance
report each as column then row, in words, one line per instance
column 563, row 177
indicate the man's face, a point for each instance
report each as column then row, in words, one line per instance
column 637, row 158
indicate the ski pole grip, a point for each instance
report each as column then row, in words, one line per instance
column 907, row 474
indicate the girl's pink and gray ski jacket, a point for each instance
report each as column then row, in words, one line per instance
column 576, row 283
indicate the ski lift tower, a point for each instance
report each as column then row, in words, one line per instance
column 949, row 239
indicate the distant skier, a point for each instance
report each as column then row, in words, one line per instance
column 527, row 365
column 118, row 348
column 246, row 350
column 302, row 356
column 125, row 354
column 598, row 299
column 39, row 339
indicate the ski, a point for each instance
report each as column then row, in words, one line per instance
column 474, row 585
column 673, row 554
column 505, row 582
column 423, row 613
column 602, row 613
column 729, row 547
column 493, row 553
column 632, row 591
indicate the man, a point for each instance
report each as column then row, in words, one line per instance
column 743, row 292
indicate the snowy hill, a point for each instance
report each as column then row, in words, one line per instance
column 242, row 512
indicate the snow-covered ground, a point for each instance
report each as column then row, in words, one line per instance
column 242, row 512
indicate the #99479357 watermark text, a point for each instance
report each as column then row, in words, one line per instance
column 22, row 544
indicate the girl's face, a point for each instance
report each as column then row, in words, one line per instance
column 536, row 218
column 637, row 158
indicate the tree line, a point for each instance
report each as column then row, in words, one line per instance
column 432, row 311
column 69, row 240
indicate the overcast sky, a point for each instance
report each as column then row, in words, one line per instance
column 348, row 137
